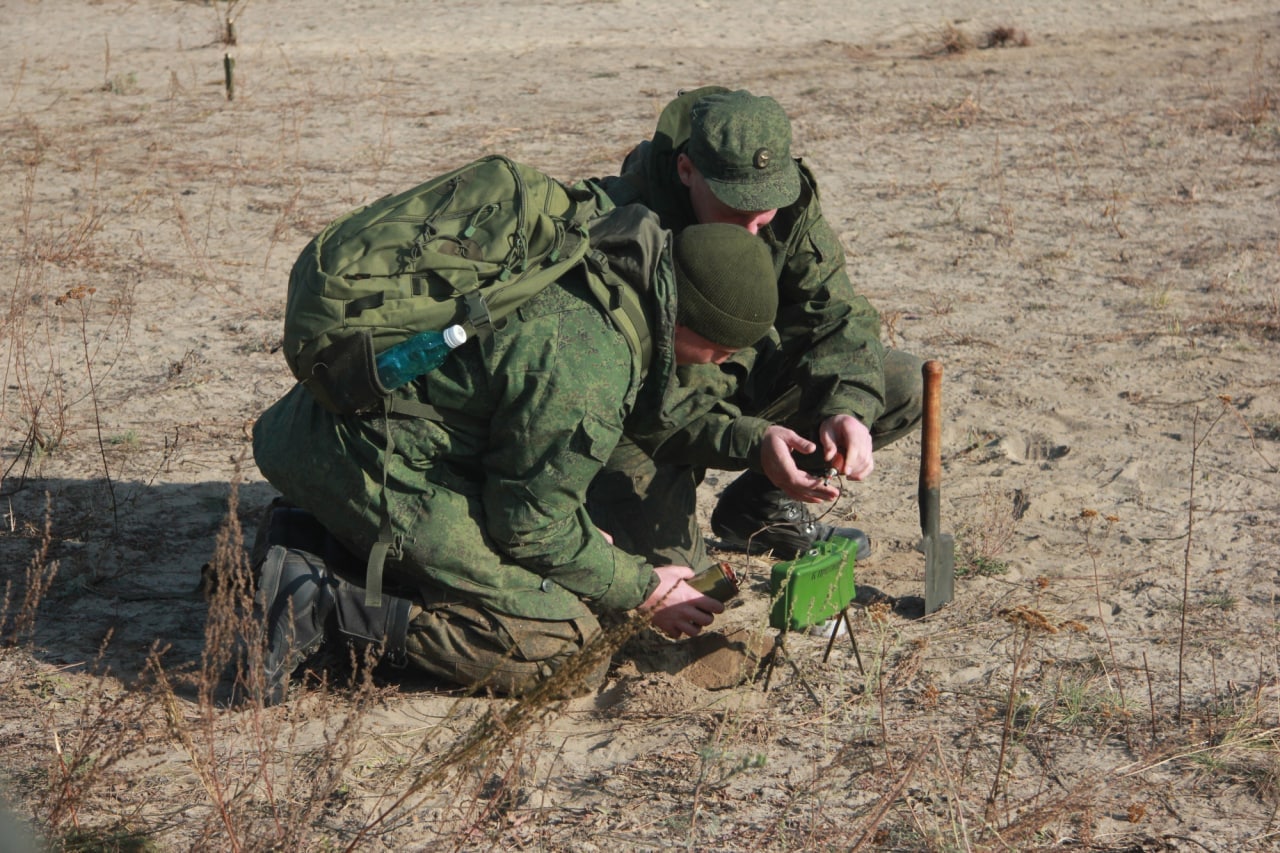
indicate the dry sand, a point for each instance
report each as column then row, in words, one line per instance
column 1081, row 224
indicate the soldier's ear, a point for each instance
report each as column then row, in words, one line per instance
column 685, row 169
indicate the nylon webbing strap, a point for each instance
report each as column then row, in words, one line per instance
column 356, row 307
column 624, row 307
column 388, row 544
column 377, row 559
column 408, row 408
column 478, row 313
column 631, row 311
column 414, row 409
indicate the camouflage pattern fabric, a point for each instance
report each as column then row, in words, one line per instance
column 488, row 501
column 647, row 498
column 492, row 651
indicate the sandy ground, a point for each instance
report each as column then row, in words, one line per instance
column 1081, row 223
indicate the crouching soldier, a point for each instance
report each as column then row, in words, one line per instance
column 499, row 572
column 725, row 156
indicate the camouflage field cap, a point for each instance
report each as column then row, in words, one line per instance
column 741, row 144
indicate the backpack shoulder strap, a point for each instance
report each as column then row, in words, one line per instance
column 623, row 305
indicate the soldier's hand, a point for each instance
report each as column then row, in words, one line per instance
column 779, row 465
column 846, row 444
column 676, row 608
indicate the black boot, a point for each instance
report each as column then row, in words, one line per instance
column 754, row 515
column 295, row 598
column 297, row 594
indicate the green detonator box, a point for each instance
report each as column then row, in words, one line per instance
column 813, row 587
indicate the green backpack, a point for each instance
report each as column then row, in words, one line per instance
column 468, row 247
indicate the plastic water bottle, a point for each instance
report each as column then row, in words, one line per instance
column 421, row 354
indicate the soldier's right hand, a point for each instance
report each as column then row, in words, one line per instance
column 677, row 609
column 847, row 440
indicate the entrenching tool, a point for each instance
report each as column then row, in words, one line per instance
column 939, row 548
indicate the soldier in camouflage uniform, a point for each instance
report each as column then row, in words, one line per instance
column 502, row 571
column 721, row 156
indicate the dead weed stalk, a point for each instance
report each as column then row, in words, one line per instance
column 1196, row 441
column 271, row 773
column 1088, row 517
column 46, row 393
column 1028, row 624
column 496, row 731
column 982, row 542
column 111, row 726
column 39, row 577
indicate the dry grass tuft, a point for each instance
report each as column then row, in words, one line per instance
column 952, row 41
column 1028, row 618
column 1006, row 37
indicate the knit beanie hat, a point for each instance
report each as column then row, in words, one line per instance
column 725, row 286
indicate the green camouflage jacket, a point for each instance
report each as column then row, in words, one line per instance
column 829, row 333
column 489, row 499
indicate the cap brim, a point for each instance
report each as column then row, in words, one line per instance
column 778, row 191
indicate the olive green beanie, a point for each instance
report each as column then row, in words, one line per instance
column 725, row 286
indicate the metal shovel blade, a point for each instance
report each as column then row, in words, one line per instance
column 938, row 548
column 939, row 570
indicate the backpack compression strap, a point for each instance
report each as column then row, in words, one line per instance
column 389, row 544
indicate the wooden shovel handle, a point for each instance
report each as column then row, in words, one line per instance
column 931, row 447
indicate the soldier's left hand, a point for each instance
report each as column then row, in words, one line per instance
column 778, row 463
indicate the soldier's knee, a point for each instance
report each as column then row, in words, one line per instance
column 507, row 655
column 903, row 397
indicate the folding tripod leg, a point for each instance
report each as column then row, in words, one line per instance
column 831, row 641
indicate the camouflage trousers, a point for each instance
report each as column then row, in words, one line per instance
column 650, row 509
column 489, row 651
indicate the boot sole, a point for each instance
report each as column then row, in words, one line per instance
column 281, row 662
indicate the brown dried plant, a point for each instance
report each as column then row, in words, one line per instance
column 1028, row 623
column 955, row 41
column 1006, row 37
column 40, row 573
